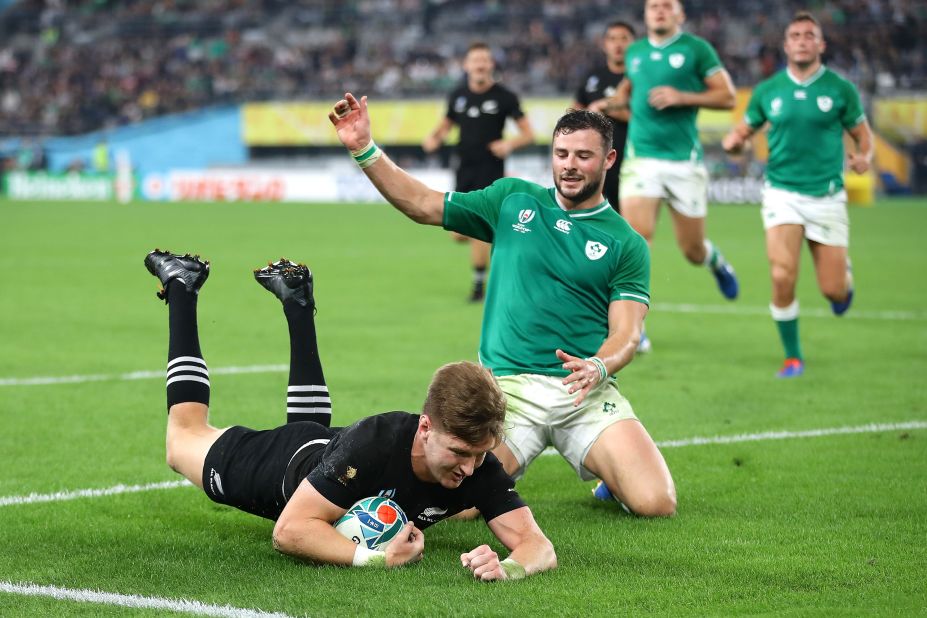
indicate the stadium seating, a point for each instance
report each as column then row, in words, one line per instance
column 72, row 67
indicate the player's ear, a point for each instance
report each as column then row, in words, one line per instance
column 424, row 423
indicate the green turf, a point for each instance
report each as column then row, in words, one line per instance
column 820, row 526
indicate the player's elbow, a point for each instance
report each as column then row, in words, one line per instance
column 284, row 537
column 729, row 100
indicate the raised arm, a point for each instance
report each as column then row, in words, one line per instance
column 860, row 160
column 625, row 320
column 718, row 94
column 304, row 530
column 409, row 195
column 531, row 551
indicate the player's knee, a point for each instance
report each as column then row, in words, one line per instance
column 782, row 276
column 834, row 291
column 654, row 504
column 694, row 253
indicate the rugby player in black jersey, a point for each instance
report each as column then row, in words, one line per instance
column 305, row 475
column 479, row 107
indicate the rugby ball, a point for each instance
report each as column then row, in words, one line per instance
column 372, row 522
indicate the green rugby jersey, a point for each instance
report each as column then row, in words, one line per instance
column 806, row 123
column 554, row 273
column 683, row 62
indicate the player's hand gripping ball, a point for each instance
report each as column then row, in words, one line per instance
column 372, row 522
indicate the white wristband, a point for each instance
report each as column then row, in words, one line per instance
column 513, row 570
column 368, row 557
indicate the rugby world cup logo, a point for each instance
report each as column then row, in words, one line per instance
column 825, row 104
column 525, row 216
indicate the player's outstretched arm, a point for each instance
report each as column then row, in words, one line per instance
column 532, row 552
column 304, row 530
column 625, row 320
column 410, row 196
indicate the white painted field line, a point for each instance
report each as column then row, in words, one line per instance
column 182, row 606
column 782, row 435
column 732, row 309
column 134, row 375
column 696, row 441
column 61, row 496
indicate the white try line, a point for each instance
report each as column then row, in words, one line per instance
column 748, row 310
column 182, row 606
column 696, row 441
column 745, row 310
column 134, row 375
column 62, row 496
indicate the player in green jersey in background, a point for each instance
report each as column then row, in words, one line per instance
column 568, row 293
column 670, row 75
column 808, row 107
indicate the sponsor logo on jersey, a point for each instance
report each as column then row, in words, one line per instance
column 592, row 83
column 563, row 225
column 801, row 95
column 595, row 250
column 490, row 107
column 825, row 103
column 635, row 65
column 775, row 106
column 460, row 104
column 677, row 60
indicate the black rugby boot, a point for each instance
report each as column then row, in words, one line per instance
column 287, row 281
column 188, row 269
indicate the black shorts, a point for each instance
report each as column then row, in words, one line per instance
column 255, row 471
column 473, row 175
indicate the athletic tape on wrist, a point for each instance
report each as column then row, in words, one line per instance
column 513, row 570
column 368, row 557
column 367, row 156
column 600, row 365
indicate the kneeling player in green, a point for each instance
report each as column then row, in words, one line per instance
column 568, row 293
column 305, row 475
column 808, row 107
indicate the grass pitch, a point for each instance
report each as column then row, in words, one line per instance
column 829, row 525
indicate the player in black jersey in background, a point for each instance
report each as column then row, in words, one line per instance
column 479, row 107
column 598, row 85
column 305, row 475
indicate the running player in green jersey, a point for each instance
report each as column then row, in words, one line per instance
column 564, row 306
column 808, row 107
column 670, row 75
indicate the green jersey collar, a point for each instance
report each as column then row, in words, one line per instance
column 585, row 212
column 813, row 78
column 667, row 42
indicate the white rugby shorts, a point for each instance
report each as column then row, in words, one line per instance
column 683, row 184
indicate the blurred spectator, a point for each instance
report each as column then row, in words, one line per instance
column 74, row 66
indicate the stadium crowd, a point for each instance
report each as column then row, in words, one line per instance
column 72, row 66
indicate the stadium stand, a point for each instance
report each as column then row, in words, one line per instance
column 68, row 67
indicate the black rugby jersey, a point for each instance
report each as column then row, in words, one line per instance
column 481, row 118
column 599, row 84
column 373, row 457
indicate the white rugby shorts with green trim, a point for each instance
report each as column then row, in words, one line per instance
column 540, row 413
column 825, row 218
column 683, row 184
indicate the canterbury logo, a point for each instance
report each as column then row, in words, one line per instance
column 564, row 226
